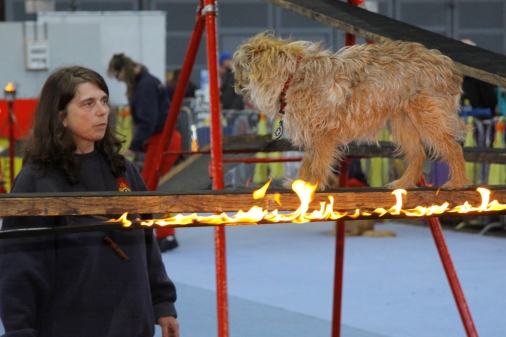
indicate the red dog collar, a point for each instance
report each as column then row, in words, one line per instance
column 282, row 101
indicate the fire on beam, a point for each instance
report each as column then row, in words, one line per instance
column 305, row 192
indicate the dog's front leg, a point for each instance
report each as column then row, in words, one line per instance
column 318, row 160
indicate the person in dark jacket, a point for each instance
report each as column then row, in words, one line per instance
column 76, row 284
column 479, row 94
column 149, row 108
column 229, row 98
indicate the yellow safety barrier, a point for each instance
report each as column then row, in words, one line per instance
column 379, row 168
column 5, row 177
column 472, row 169
column 496, row 173
column 260, row 175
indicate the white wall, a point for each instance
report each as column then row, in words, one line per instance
column 12, row 62
column 88, row 39
column 140, row 35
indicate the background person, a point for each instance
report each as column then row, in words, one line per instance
column 171, row 79
column 76, row 284
column 149, row 108
column 501, row 101
column 480, row 94
column 229, row 98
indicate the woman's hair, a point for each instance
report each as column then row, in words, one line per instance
column 119, row 62
column 51, row 143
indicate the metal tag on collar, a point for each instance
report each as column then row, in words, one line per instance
column 279, row 130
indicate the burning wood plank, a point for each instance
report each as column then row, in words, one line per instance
column 303, row 206
column 114, row 203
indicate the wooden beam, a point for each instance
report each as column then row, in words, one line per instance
column 472, row 61
column 113, row 204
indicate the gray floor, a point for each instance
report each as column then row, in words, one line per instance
column 248, row 318
column 280, row 281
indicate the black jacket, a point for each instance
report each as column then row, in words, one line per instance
column 76, row 284
column 229, row 98
column 149, row 108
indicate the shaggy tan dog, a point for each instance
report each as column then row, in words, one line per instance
column 331, row 99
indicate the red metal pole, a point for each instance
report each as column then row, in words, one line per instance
column 11, row 142
column 339, row 259
column 210, row 10
column 341, row 226
column 350, row 38
column 451, row 273
column 177, row 100
column 262, row 160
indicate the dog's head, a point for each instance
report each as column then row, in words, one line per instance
column 254, row 58
column 262, row 64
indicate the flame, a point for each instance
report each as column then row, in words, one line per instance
column 10, row 87
column 277, row 198
column 260, row 193
column 306, row 191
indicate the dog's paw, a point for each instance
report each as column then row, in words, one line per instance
column 399, row 184
column 453, row 185
column 321, row 187
column 287, row 183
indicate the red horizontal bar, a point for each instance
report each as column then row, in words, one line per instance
column 261, row 160
column 224, row 151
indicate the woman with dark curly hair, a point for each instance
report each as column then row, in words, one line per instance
column 75, row 284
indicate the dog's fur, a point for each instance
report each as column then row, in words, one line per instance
column 334, row 99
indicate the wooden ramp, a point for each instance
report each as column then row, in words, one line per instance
column 472, row 61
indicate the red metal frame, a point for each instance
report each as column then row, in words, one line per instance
column 210, row 11
column 339, row 258
column 262, row 160
column 177, row 100
column 12, row 142
column 350, row 39
column 451, row 273
column 341, row 228
column 437, row 233
column 206, row 18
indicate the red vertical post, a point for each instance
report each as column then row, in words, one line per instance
column 10, row 96
column 341, row 227
column 177, row 100
column 210, row 10
column 12, row 142
column 350, row 38
column 339, row 259
column 451, row 273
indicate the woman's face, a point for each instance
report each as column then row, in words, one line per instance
column 121, row 75
column 87, row 115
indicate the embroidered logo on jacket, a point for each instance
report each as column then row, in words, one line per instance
column 123, row 185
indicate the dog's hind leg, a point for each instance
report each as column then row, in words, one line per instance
column 454, row 156
column 318, row 160
column 446, row 148
column 409, row 142
column 438, row 131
